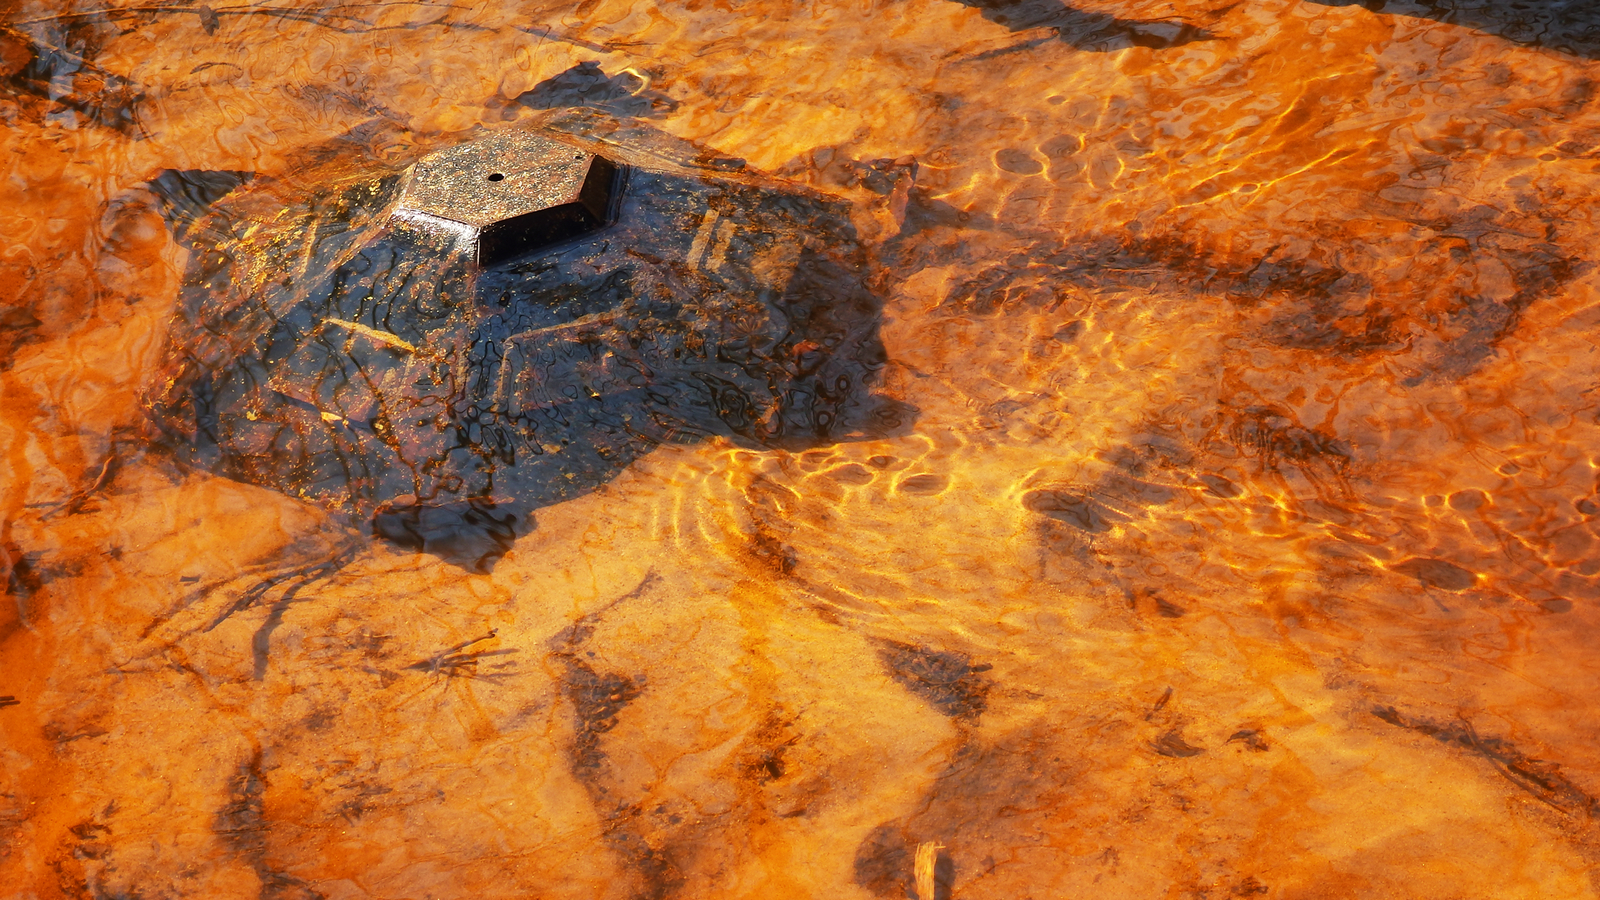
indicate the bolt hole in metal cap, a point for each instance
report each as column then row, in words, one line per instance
column 507, row 196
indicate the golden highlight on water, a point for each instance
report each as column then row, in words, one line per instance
column 985, row 449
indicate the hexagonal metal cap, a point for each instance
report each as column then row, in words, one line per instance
column 509, row 194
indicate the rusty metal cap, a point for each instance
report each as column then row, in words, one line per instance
column 508, row 195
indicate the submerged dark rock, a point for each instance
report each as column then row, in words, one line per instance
column 333, row 350
column 1568, row 26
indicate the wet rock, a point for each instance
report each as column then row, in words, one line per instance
column 473, row 535
column 1087, row 30
column 504, row 342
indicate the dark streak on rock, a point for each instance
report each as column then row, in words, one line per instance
column 1083, row 29
column 1272, row 435
column 473, row 534
column 991, row 796
column 1251, row 738
column 306, row 574
column 1160, row 704
column 1436, row 573
column 1073, row 507
column 928, row 483
column 884, row 865
column 598, row 698
column 586, row 84
column 883, row 862
column 945, row 678
column 1541, row 779
column 769, row 551
column 1069, row 332
column 21, row 573
column 762, row 757
column 1250, row 887
column 658, row 875
column 92, row 842
column 1221, row 487
column 1310, row 304
column 1172, row 744
column 260, row 642
column 457, row 661
column 1568, row 27
column 242, row 826
column 61, row 75
column 358, row 805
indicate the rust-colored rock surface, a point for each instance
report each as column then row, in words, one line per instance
column 1245, row 543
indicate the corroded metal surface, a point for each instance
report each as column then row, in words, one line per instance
column 509, row 194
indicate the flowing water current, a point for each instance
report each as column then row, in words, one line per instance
column 1126, row 449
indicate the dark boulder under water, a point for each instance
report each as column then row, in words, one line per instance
column 328, row 348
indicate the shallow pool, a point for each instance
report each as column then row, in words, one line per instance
column 1234, row 533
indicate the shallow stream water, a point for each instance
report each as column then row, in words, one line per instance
column 1240, row 536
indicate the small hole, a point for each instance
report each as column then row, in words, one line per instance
column 497, row 177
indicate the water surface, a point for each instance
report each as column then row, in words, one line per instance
column 1243, row 542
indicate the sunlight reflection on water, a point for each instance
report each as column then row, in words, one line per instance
column 1243, row 542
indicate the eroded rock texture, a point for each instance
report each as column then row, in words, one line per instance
column 1243, row 542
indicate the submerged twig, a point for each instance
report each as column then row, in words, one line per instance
column 452, row 662
column 553, row 35
column 302, row 576
column 1160, row 704
column 74, row 503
